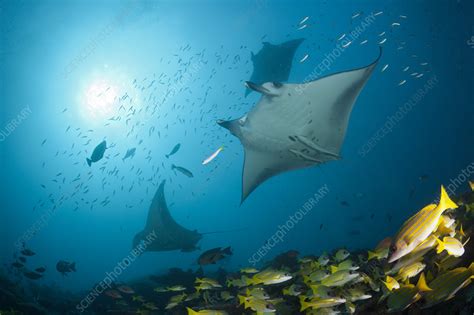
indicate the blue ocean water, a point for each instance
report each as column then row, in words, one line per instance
column 179, row 66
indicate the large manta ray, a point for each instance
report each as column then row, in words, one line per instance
column 169, row 234
column 296, row 125
column 273, row 62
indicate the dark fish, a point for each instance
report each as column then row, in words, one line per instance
column 65, row 267
column 214, row 255
column 27, row 252
column 175, row 149
column 40, row 269
column 321, row 226
column 32, row 275
column 129, row 154
column 22, row 259
column 182, row 170
column 98, row 153
column 354, row 232
column 345, row 203
column 16, row 264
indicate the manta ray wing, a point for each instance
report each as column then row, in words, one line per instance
column 296, row 125
column 273, row 62
column 169, row 235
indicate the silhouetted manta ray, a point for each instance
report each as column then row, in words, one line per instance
column 296, row 125
column 273, row 62
column 169, row 234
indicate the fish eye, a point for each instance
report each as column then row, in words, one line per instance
column 277, row 84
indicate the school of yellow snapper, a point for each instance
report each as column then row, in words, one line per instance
column 425, row 264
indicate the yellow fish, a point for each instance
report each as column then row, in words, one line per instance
column 415, row 255
column 406, row 295
column 239, row 282
column 471, row 184
column 205, row 312
column 448, row 284
column 391, row 283
column 316, row 276
column 356, row 294
column 320, row 302
column 410, row 271
column 452, row 245
column 176, row 288
column 420, row 226
column 339, row 278
column 341, row 254
column 257, row 305
column 381, row 251
column 269, row 277
column 345, row 265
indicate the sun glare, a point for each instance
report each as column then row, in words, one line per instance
column 101, row 99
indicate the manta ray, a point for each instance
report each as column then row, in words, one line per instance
column 169, row 235
column 273, row 62
column 296, row 125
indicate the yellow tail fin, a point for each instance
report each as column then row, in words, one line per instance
column 472, row 185
column 333, row 269
column 304, row 304
column 242, row 299
column 191, row 311
column 421, row 285
column 441, row 245
column 445, row 202
column 371, row 255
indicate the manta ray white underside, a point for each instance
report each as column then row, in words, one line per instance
column 296, row 125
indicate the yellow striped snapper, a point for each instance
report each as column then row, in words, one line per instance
column 345, row 265
column 269, row 277
column 341, row 254
column 406, row 295
column 340, row 278
column 320, row 303
column 391, row 283
column 316, row 276
column 356, row 294
column 415, row 255
column 205, row 312
column 419, row 227
column 452, row 245
column 257, row 305
column 410, row 271
column 448, row 284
